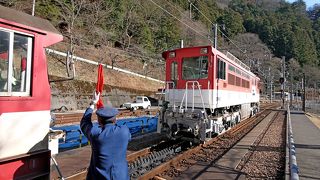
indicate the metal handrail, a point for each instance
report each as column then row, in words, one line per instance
column 57, row 167
column 236, row 60
column 210, row 100
column 167, row 90
column 80, row 135
column 185, row 96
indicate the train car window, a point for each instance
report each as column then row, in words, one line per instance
column 221, row 69
column 4, row 60
column 232, row 68
column 238, row 71
column 15, row 63
column 195, row 68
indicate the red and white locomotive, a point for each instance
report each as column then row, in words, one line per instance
column 24, row 95
column 207, row 91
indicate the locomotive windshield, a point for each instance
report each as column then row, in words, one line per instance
column 195, row 68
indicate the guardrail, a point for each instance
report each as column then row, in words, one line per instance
column 293, row 166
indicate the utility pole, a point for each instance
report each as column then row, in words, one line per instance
column 181, row 43
column 304, row 92
column 33, row 6
column 190, row 10
column 215, row 30
column 270, row 80
column 291, row 92
column 283, row 85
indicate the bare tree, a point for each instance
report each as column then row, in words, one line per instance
column 70, row 11
column 95, row 14
column 128, row 29
column 8, row 3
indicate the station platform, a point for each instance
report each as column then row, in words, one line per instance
column 306, row 136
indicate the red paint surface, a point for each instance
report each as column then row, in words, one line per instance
column 211, row 82
column 39, row 98
column 34, row 163
column 26, row 167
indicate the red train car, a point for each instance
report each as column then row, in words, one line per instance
column 209, row 90
column 24, row 95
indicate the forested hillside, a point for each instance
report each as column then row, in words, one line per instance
column 148, row 27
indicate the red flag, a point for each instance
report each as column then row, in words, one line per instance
column 99, row 87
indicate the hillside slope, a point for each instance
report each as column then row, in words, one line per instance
column 132, row 34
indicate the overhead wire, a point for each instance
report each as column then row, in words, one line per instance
column 231, row 41
column 217, row 28
column 183, row 14
column 130, row 54
column 179, row 19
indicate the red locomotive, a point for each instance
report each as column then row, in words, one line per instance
column 207, row 91
column 24, row 95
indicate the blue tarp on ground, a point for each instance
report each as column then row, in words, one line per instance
column 137, row 126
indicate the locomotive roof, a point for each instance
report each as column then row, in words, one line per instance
column 33, row 23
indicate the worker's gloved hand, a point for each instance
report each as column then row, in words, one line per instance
column 95, row 98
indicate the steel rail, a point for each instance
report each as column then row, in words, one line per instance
column 69, row 118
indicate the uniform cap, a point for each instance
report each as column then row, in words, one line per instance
column 107, row 112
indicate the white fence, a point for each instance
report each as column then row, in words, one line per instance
column 76, row 58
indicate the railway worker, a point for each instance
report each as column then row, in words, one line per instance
column 108, row 143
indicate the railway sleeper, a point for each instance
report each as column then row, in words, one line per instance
column 144, row 164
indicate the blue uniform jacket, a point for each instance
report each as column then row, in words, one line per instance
column 109, row 147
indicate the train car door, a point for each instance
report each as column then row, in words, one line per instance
column 220, row 78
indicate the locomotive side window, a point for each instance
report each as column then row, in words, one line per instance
column 232, row 68
column 221, row 69
column 174, row 71
column 195, row 68
column 15, row 63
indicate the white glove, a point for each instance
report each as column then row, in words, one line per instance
column 13, row 80
column 95, row 98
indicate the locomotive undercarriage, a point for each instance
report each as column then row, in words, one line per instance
column 199, row 125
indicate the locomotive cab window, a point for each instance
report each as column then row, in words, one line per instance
column 195, row 68
column 221, row 69
column 174, row 71
column 15, row 63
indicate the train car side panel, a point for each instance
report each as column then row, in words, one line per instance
column 24, row 95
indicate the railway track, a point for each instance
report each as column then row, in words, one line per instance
column 267, row 154
column 71, row 118
column 159, row 163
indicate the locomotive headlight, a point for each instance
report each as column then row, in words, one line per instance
column 204, row 51
column 172, row 54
